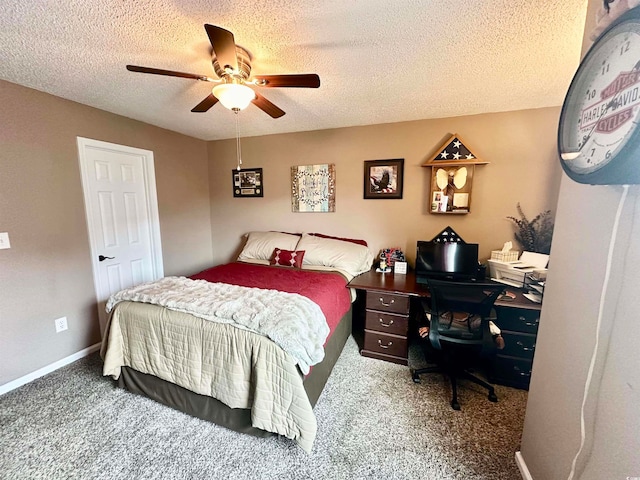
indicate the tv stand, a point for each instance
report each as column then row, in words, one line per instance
column 387, row 301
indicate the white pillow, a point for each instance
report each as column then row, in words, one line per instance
column 351, row 257
column 260, row 245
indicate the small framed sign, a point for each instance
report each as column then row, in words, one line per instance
column 247, row 182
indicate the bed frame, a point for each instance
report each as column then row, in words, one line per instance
column 211, row 409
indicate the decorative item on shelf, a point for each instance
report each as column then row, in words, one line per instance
column 247, row 182
column 535, row 235
column 383, row 178
column 453, row 166
column 313, row 188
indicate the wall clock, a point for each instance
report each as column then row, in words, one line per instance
column 598, row 135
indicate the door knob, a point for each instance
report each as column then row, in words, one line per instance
column 102, row 258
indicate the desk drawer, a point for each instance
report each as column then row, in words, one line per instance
column 387, row 323
column 518, row 319
column 393, row 345
column 388, row 302
column 521, row 345
column 511, row 371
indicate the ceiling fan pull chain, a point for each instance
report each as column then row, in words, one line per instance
column 238, row 146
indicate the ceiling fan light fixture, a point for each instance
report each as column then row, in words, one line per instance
column 234, row 96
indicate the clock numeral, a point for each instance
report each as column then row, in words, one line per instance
column 624, row 48
column 591, row 94
column 605, row 68
column 608, row 154
column 593, row 150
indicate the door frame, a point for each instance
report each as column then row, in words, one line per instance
column 151, row 206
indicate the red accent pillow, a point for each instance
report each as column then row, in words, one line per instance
column 287, row 258
column 352, row 240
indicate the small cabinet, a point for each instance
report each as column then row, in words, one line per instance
column 512, row 365
column 386, row 326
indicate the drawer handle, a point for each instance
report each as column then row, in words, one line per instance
column 385, row 324
column 387, row 304
column 526, row 349
column 384, row 346
column 531, row 324
column 517, row 369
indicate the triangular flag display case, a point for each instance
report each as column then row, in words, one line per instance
column 452, row 169
column 448, row 235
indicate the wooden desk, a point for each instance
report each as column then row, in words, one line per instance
column 386, row 311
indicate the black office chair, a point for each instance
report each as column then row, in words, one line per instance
column 459, row 330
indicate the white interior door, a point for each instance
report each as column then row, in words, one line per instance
column 122, row 217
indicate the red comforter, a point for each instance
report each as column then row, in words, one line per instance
column 326, row 289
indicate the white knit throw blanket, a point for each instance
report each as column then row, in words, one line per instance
column 292, row 321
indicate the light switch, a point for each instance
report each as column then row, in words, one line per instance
column 4, row 240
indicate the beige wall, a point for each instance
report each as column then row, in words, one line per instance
column 567, row 338
column 520, row 147
column 47, row 272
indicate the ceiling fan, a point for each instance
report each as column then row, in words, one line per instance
column 232, row 65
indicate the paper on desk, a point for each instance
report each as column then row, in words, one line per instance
column 535, row 260
column 534, row 297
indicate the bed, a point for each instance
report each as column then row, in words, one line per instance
column 248, row 345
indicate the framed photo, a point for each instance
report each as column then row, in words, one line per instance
column 247, row 182
column 383, row 178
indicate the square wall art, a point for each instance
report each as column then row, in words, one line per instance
column 313, row 188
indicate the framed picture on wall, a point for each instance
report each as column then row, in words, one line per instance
column 383, row 178
column 313, row 188
column 247, row 182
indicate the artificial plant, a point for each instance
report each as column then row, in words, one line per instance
column 534, row 235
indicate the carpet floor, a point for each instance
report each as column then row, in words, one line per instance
column 373, row 423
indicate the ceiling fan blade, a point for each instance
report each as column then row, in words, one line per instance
column 303, row 80
column 169, row 73
column 224, row 46
column 268, row 107
column 205, row 104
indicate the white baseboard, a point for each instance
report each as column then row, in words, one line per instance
column 7, row 387
column 524, row 471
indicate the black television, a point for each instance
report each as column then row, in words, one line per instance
column 455, row 261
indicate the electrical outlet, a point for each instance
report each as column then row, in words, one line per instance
column 61, row 324
column 4, row 240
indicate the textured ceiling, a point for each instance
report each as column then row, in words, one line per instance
column 379, row 61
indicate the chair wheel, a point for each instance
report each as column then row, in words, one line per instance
column 455, row 405
column 493, row 397
column 414, row 376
